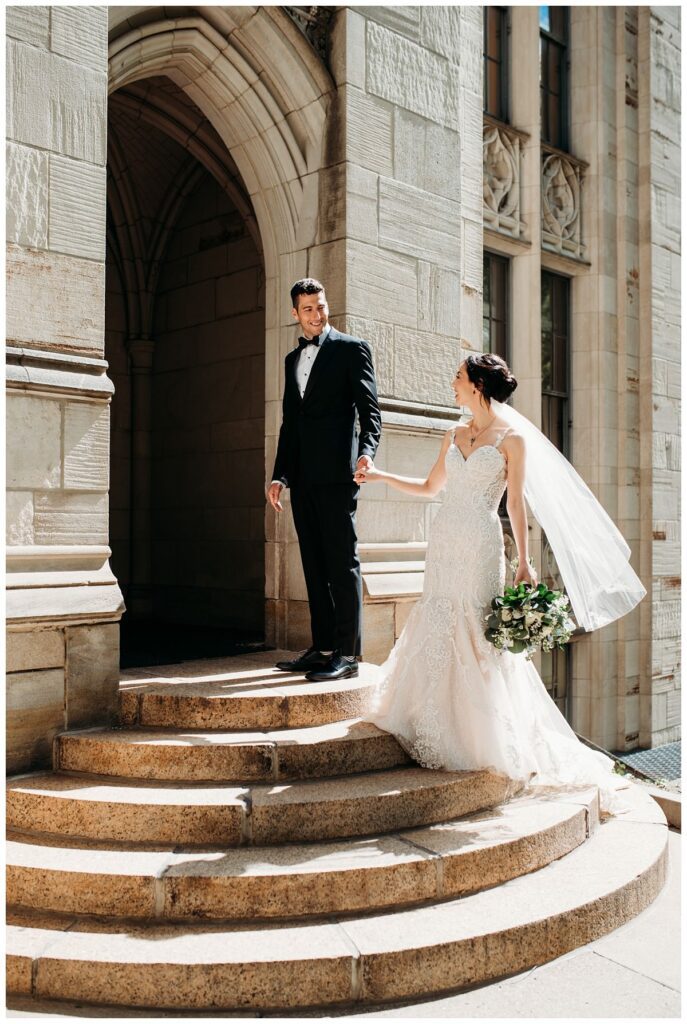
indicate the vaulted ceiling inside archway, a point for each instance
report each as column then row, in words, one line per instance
column 149, row 157
column 161, row 148
column 151, row 124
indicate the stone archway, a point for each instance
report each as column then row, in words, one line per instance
column 263, row 94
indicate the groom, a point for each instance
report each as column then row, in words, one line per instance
column 328, row 377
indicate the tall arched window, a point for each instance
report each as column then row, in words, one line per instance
column 556, row 665
column 496, row 62
column 555, row 360
column 495, row 305
column 553, row 75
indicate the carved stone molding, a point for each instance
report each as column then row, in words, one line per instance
column 502, row 156
column 561, row 199
column 51, row 372
column 314, row 23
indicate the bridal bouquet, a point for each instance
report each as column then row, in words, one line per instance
column 524, row 618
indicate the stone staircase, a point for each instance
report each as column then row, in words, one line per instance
column 243, row 842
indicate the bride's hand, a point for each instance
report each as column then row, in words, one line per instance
column 368, row 477
column 525, row 574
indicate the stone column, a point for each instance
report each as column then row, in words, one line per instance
column 140, row 595
column 596, row 701
column 404, row 180
column 525, row 305
column 63, row 603
column 658, row 77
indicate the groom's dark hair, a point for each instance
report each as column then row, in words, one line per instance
column 306, row 286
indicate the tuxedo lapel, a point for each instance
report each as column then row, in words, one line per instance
column 291, row 384
column 323, row 357
column 291, row 380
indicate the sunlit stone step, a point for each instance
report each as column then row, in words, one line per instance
column 94, row 807
column 339, row 748
column 238, row 693
column 358, row 960
column 431, row 863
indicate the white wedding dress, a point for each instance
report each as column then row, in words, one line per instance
column 451, row 699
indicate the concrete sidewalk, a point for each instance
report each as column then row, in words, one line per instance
column 633, row 972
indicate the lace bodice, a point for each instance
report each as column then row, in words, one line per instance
column 478, row 481
column 465, row 557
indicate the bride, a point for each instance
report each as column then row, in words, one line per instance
column 451, row 699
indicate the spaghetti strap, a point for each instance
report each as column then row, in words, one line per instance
column 507, row 431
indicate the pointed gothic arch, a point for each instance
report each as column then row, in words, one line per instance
column 266, row 93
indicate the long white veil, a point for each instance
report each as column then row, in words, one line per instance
column 590, row 551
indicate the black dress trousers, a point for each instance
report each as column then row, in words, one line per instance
column 324, row 518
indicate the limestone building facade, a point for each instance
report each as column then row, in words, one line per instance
column 171, row 171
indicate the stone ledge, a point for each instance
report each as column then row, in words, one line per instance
column 62, row 557
column 81, row 603
column 382, row 550
column 62, row 584
column 387, row 585
column 55, row 372
column 670, row 804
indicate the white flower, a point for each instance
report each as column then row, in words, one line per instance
column 506, row 614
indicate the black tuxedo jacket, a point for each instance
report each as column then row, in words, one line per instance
column 318, row 442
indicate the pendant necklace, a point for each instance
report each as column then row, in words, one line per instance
column 475, row 436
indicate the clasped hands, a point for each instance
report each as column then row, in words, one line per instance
column 364, row 472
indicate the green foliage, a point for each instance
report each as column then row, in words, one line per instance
column 525, row 618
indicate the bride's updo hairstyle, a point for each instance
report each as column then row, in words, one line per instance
column 490, row 375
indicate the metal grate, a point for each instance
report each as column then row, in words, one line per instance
column 664, row 762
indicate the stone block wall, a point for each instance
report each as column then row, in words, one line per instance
column 605, row 405
column 62, row 600
column 409, row 96
column 407, row 158
column 659, row 121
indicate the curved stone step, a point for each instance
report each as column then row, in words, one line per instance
column 359, row 960
column 96, row 808
column 340, row 748
column 417, row 865
column 235, row 693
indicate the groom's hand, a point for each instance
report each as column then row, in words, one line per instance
column 363, row 465
column 273, row 493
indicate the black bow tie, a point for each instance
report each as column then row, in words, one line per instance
column 302, row 342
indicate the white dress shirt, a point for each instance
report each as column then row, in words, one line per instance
column 306, row 360
column 304, row 366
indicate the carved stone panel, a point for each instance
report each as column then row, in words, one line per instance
column 502, row 149
column 561, row 190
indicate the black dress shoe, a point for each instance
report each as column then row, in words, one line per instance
column 337, row 667
column 310, row 659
